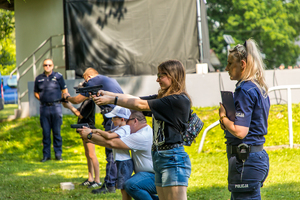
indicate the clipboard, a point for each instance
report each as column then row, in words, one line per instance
column 228, row 103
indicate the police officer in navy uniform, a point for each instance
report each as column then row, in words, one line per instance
column 248, row 162
column 48, row 87
column 93, row 78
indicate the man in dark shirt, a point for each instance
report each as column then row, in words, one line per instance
column 48, row 87
column 93, row 78
column 86, row 114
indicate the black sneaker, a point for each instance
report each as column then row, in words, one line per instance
column 104, row 190
column 59, row 158
column 45, row 159
column 94, row 184
column 86, row 183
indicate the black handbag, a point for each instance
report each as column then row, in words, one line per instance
column 195, row 125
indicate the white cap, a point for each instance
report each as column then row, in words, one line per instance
column 119, row 111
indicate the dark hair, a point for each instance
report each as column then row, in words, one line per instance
column 175, row 70
column 138, row 115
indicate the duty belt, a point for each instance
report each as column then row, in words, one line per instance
column 48, row 104
column 166, row 147
column 234, row 149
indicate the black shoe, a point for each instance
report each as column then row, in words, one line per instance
column 58, row 158
column 45, row 159
column 104, row 190
column 86, row 183
column 94, row 184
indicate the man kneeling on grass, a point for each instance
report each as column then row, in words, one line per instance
column 141, row 185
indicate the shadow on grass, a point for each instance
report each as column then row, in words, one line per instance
column 286, row 191
column 31, row 179
column 9, row 109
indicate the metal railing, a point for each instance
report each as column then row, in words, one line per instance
column 290, row 113
column 34, row 61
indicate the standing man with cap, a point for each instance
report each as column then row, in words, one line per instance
column 48, row 87
column 93, row 78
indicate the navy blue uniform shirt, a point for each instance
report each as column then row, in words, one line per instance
column 109, row 84
column 49, row 88
column 251, row 110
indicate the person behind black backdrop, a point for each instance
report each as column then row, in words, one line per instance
column 86, row 114
column 248, row 162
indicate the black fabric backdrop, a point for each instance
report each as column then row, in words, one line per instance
column 129, row 37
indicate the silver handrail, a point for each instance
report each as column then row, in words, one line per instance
column 290, row 114
column 204, row 134
column 33, row 65
column 34, row 52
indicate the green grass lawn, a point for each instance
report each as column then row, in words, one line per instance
column 23, row 176
column 9, row 109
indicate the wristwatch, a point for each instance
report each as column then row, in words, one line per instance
column 89, row 136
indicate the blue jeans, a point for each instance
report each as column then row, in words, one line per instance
column 125, row 169
column 51, row 119
column 141, row 186
column 111, row 167
column 172, row 167
column 245, row 180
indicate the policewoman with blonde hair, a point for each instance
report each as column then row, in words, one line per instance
column 248, row 162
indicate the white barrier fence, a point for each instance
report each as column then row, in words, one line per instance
column 290, row 113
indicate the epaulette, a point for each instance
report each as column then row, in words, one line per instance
column 57, row 74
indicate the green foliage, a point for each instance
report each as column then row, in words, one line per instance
column 274, row 24
column 22, row 176
column 7, row 42
column 7, row 25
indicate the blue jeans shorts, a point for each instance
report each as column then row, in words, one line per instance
column 172, row 167
column 124, row 171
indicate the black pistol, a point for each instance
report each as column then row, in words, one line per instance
column 80, row 125
column 92, row 89
column 60, row 100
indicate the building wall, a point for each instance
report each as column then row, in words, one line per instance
column 36, row 21
column 204, row 89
